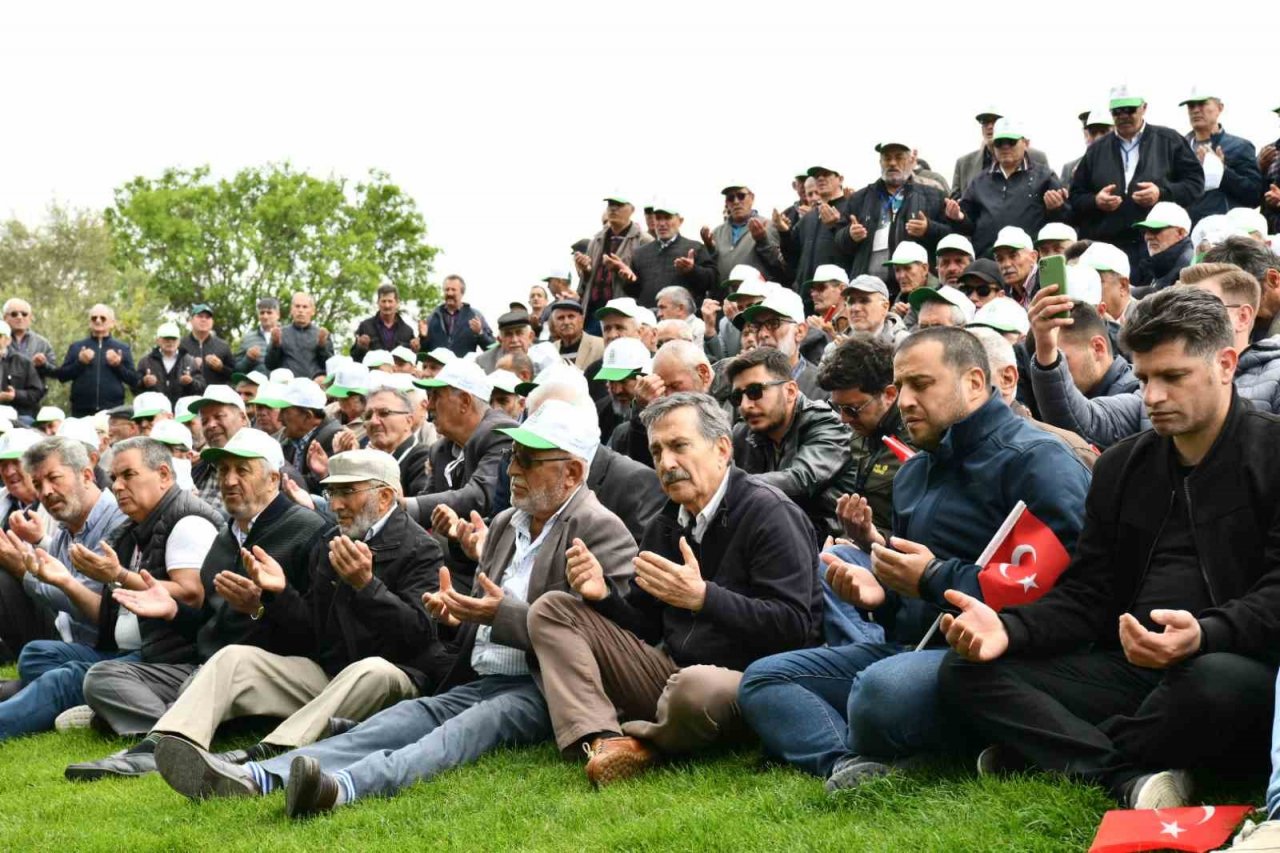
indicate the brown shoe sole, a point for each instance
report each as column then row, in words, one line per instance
column 614, row 766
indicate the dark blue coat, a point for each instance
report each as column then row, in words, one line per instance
column 463, row 340
column 97, row 385
column 1242, row 184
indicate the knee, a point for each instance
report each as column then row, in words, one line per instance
column 375, row 672
column 1220, row 685
column 763, row 674
column 694, row 689
column 36, row 657
column 101, row 679
column 550, row 608
column 232, row 656
column 879, row 697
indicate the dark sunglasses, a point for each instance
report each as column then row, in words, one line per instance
column 18, row 313
column 735, row 196
column 1005, row 143
column 524, row 456
column 1123, row 111
column 851, row 411
column 772, row 323
column 96, row 317
column 983, row 290
column 754, row 391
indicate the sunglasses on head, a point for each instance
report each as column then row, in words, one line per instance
column 754, row 391
column 738, row 196
column 983, row 290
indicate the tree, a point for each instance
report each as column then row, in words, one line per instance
column 270, row 231
column 64, row 265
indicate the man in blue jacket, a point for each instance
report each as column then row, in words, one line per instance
column 98, row 367
column 1239, row 180
column 846, row 713
column 454, row 324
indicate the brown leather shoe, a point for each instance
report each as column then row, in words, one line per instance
column 310, row 791
column 612, row 759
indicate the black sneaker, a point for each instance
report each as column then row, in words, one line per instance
column 199, row 775
column 852, row 770
column 121, row 765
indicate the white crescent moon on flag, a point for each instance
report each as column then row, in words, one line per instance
column 1208, row 815
column 1015, row 559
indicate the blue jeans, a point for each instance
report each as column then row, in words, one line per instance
column 418, row 739
column 842, row 623
column 1273, row 786
column 814, row 706
column 52, row 673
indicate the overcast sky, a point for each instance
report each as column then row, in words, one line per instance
column 508, row 122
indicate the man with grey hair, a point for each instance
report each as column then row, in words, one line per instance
column 252, row 354
column 36, row 347
column 678, row 366
column 388, row 420
column 98, row 367
column 655, row 671
column 676, row 303
column 674, row 330
column 51, row 672
column 302, row 346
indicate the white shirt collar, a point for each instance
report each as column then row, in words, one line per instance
column 708, row 512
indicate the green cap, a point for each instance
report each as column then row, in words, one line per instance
column 616, row 374
column 618, row 198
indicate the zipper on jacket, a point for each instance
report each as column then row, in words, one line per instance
column 1186, row 486
column 1173, row 497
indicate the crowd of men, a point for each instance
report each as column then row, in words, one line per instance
column 729, row 489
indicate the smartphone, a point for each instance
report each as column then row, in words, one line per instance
column 1053, row 270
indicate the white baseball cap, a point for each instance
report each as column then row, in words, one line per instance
column 303, row 393
column 257, row 377
column 1166, row 214
column 783, row 302
column 270, row 394
column 1002, row 314
column 558, row 373
column 174, row 434
column 15, row 442
column 754, row 287
column 622, row 358
column 742, row 273
column 504, row 380
column 1013, row 237
column 558, row 425
column 1249, row 220
column 182, row 410
column 647, row 318
column 250, row 443
column 403, row 353
column 441, row 355
column 5, row 425
column 1084, row 284
column 543, row 355
column 945, row 293
column 1105, row 257
column 463, row 375
column 333, row 362
column 381, row 379
column 53, row 413
column 350, row 379
column 624, row 305
column 956, row 243
column 908, row 252
column 148, row 404
column 280, row 375
column 1215, row 228
column 168, row 330
column 82, row 430
column 216, row 395
column 1007, row 129
column 1099, row 117
column 377, row 358
column 1056, row 231
column 9, row 412
column 5, row 331
column 1198, row 93
column 828, row 272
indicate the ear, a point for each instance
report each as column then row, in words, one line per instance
column 1272, row 280
column 724, row 448
column 705, row 374
column 1009, row 376
column 890, row 394
column 1227, row 360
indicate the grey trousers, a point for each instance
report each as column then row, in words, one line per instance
column 417, row 739
column 132, row 697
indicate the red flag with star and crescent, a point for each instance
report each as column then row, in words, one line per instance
column 1195, row 828
column 1023, row 562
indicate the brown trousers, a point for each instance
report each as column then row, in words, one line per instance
column 598, row 677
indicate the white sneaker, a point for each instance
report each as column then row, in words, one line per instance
column 79, row 717
column 1257, row 837
column 1168, row 789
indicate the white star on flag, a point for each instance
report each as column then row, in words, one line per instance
column 1171, row 829
column 1029, row 583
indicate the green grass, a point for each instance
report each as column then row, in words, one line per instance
column 532, row 800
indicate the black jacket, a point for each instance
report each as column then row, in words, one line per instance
column 468, row 485
column 992, row 201
column 1234, row 500
column 97, row 385
column 413, row 456
column 1164, row 159
column 169, row 382
column 761, row 568
column 1242, row 184
column 337, row 625
column 810, row 243
column 213, row 345
column 1156, row 272
column 324, row 434
column 867, row 204
column 17, row 372
column 655, row 269
column 402, row 335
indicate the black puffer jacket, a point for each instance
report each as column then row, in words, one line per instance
column 169, row 382
column 868, row 204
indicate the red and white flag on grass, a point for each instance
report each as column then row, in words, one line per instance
column 1022, row 562
column 1196, row 828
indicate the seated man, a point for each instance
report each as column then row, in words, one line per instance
column 789, row 441
column 678, row 366
column 489, row 699
column 388, row 422
column 655, row 671
column 1166, row 231
column 51, row 672
column 847, row 713
column 1157, row 648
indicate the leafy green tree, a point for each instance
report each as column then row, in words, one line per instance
column 64, row 265
column 271, row 231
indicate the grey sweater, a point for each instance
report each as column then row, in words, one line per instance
column 300, row 350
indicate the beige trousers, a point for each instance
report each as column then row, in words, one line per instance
column 243, row 681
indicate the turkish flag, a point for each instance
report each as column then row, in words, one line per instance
column 898, row 447
column 1195, row 828
column 1024, row 563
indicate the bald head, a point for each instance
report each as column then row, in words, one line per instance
column 683, row 366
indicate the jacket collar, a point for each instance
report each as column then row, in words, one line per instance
column 1223, row 446
column 1162, row 262
column 890, row 424
column 1112, row 375
column 142, row 532
column 963, row 435
column 389, row 537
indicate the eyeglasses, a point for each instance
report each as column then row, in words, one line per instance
column 19, row 313
column 772, row 324
column 851, row 411
column 1123, row 111
column 342, row 494
column 983, row 290
column 754, row 391
column 1005, row 143
column 735, row 196
column 383, row 414
column 524, row 456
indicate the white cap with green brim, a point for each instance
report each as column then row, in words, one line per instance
column 624, row 305
column 270, row 394
column 1006, row 129
column 946, row 293
column 1002, row 314
column 619, row 198
column 1012, row 237
column 440, row 355
column 1122, row 97
column 754, row 287
column 1166, row 214
column 1248, row 219
column 376, row 358
column 361, row 466
column 257, row 377
column 216, row 395
column 172, row 433
column 742, row 273
column 250, row 443
column 333, row 362
column 182, row 410
column 505, row 381
column 908, row 252
column 1105, row 257
column 828, row 272
column 304, row 393
column 558, row 425
column 81, row 430
column 168, row 330
column 350, row 379
column 646, row 318
column 1198, row 96
column 15, row 442
column 463, row 375
column 50, row 413
column 1099, row 118
column 623, row 358
column 955, row 243
column 280, row 375
column 664, row 206
column 1084, row 284
column 148, row 404
column 1056, row 231
column 559, row 373
column 783, row 302
column 403, row 353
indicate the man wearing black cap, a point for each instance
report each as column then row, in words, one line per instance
column 1095, row 124
column 609, row 250
column 744, row 238
column 981, row 282
column 810, row 243
column 975, row 162
column 515, row 334
column 573, row 343
column 211, row 353
column 386, row 329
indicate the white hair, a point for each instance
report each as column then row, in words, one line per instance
column 1000, row 352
